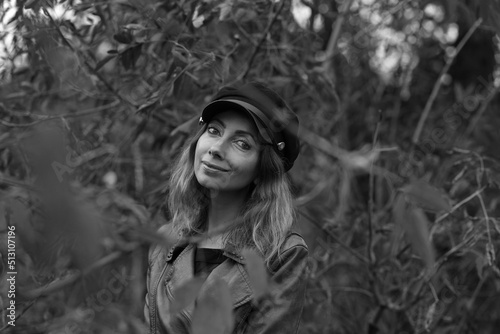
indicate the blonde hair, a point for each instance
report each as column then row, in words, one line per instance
column 265, row 219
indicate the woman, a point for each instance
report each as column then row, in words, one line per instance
column 230, row 184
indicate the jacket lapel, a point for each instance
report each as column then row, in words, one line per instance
column 182, row 268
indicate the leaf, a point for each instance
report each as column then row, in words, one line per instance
column 361, row 159
column 257, row 273
column 184, row 128
column 124, row 37
column 149, row 104
column 415, row 225
column 426, row 196
column 30, row 4
column 214, row 312
column 135, row 26
column 19, row 12
column 105, row 60
column 166, row 239
column 186, row 294
column 480, row 266
column 429, row 317
column 245, row 15
column 129, row 57
column 490, row 254
column 225, row 10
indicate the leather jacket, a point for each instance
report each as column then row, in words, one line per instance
column 170, row 268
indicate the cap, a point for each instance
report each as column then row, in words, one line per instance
column 277, row 123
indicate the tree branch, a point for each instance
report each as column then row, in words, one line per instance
column 44, row 118
column 332, row 42
column 15, row 183
column 481, row 111
column 59, row 284
column 439, row 81
column 262, row 39
column 371, row 193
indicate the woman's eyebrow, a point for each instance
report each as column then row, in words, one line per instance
column 219, row 121
column 238, row 132
column 242, row 132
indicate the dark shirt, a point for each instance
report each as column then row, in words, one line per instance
column 207, row 259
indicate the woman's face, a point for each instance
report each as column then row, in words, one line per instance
column 227, row 153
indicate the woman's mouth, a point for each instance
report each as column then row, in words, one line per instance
column 213, row 167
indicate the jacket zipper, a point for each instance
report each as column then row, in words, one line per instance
column 155, row 292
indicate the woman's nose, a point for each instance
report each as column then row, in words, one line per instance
column 217, row 149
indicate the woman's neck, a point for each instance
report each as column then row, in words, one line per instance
column 223, row 210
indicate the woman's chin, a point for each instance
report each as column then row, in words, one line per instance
column 208, row 183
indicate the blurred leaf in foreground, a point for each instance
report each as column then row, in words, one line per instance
column 415, row 225
column 186, row 293
column 257, row 273
column 427, row 196
column 214, row 312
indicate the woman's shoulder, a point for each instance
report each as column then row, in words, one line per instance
column 294, row 240
column 293, row 253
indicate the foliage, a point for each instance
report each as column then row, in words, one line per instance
column 397, row 183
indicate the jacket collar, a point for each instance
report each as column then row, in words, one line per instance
column 229, row 251
column 232, row 253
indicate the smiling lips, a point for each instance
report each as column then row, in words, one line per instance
column 215, row 167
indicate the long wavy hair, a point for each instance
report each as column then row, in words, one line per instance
column 265, row 218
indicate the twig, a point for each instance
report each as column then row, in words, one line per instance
column 332, row 42
column 321, row 144
column 439, row 81
column 91, row 155
column 371, row 192
column 458, row 205
column 485, row 213
column 138, row 166
column 15, row 183
column 244, row 33
column 481, row 111
column 328, row 77
column 44, row 118
column 327, row 72
column 334, row 237
column 19, row 314
column 324, row 146
column 57, row 285
column 470, row 303
column 372, row 325
column 315, row 191
column 433, row 290
column 351, row 289
column 455, row 249
column 263, row 38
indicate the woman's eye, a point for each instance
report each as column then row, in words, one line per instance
column 213, row 131
column 243, row 144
